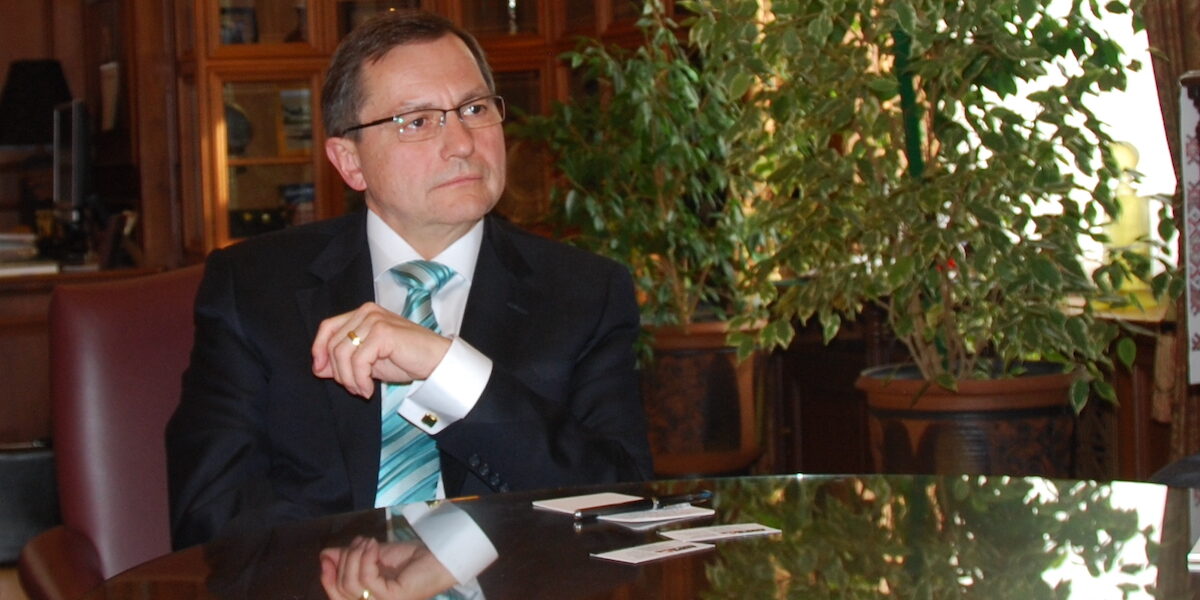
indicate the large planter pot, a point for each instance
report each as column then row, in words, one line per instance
column 1015, row 426
column 700, row 403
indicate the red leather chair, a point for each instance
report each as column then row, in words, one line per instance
column 117, row 353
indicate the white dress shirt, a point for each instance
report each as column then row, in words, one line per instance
column 454, row 539
column 455, row 385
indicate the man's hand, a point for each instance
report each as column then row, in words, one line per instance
column 395, row 571
column 391, row 349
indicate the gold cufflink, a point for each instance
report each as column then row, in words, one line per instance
column 429, row 419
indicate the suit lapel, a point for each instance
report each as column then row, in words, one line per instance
column 343, row 274
column 496, row 313
column 500, row 293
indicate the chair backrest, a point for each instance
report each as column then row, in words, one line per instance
column 118, row 350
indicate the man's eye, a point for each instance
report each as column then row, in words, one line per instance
column 474, row 110
column 415, row 123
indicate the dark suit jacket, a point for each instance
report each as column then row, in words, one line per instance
column 258, row 440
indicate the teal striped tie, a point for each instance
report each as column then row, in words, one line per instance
column 408, row 462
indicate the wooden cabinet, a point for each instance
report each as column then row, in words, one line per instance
column 816, row 420
column 250, row 74
column 1129, row 440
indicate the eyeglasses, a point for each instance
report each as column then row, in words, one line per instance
column 425, row 124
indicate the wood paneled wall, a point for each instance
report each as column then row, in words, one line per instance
column 43, row 29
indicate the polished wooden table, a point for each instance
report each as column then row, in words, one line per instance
column 842, row 537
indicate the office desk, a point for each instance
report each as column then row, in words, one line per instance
column 842, row 536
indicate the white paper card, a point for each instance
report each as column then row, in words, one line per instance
column 1193, row 558
column 719, row 532
column 570, row 504
column 656, row 551
column 666, row 513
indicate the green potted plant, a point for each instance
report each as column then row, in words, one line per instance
column 646, row 177
column 923, row 165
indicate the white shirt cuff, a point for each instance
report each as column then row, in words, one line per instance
column 453, row 537
column 451, row 390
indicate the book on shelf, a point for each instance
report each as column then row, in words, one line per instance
column 13, row 268
column 17, row 253
column 17, row 247
column 17, row 239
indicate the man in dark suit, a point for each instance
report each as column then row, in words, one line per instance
column 526, row 379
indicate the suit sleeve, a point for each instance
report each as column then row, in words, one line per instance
column 217, row 461
column 591, row 431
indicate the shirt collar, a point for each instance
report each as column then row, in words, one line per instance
column 388, row 249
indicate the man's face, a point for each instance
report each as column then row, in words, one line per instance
column 431, row 189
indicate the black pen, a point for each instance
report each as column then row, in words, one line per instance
column 652, row 503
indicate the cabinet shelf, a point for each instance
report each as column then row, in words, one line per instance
column 299, row 159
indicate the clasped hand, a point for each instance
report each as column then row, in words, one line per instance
column 390, row 348
column 388, row 571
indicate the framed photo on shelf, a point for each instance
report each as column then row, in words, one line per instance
column 295, row 121
column 239, row 25
column 299, row 202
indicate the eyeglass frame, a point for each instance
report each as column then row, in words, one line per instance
column 399, row 118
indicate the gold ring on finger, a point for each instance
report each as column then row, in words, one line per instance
column 354, row 339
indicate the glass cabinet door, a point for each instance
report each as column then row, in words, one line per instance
column 351, row 13
column 265, row 138
column 261, row 23
column 580, row 16
column 501, row 17
column 626, row 9
column 525, row 195
column 588, row 17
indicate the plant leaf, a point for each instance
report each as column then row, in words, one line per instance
column 1079, row 394
column 1126, row 351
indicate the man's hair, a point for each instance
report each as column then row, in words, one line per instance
column 343, row 95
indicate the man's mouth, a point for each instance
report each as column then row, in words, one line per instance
column 459, row 180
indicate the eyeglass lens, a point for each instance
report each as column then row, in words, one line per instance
column 424, row 124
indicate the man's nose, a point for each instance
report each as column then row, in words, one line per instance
column 455, row 136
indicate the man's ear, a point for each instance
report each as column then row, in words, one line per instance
column 343, row 153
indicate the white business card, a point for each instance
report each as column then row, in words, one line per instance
column 651, row 552
column 719, row 532
column 570, row 504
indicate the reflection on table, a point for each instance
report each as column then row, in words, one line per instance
column 842, row 536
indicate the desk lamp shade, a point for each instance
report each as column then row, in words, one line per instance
column 31, row 91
